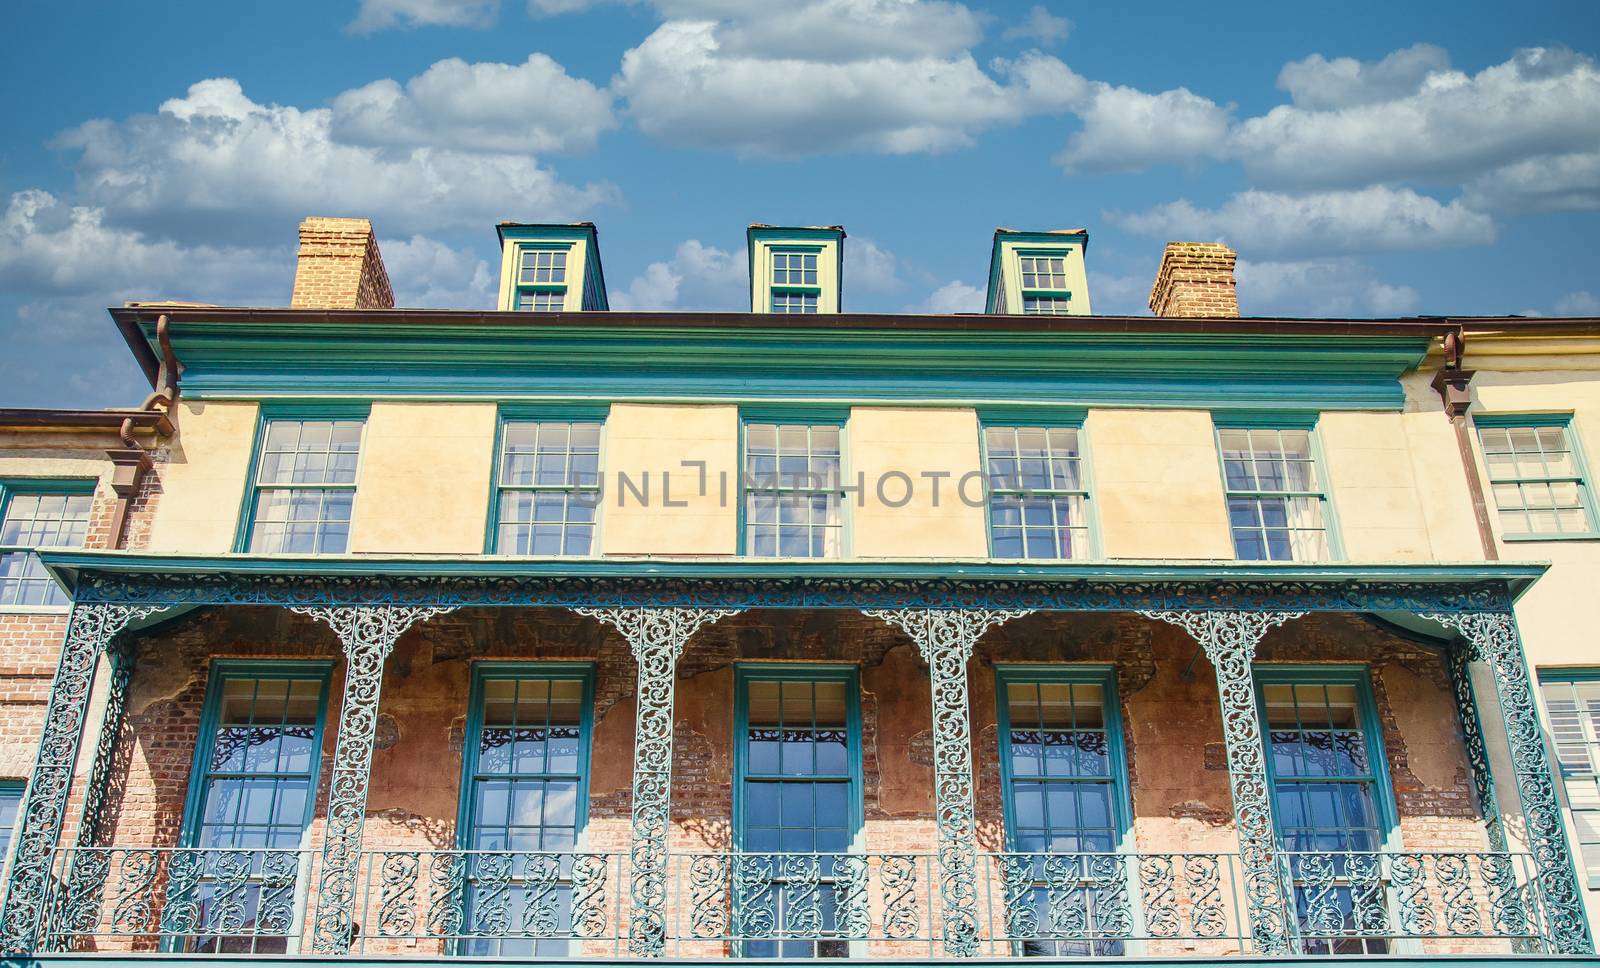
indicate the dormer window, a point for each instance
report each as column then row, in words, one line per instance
column 550, row 269
column 1038, row 273
column 1044, row 286
column 795, row 270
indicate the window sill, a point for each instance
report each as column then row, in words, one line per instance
column 1575, row 536
column 35, row 609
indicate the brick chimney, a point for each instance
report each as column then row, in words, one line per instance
column 340, row 267
column 1195, row 279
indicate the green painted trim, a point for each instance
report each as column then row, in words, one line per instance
column 296, row 410
column 795, row 414
column 1043, row 415
column 792, row 247
column 1588, row 674
column 1266, row 419
column 745, row 673
column 1359, row 676
column 1535, row 537
column 1522, row 419
column 1102, row 674
column 205, row 743
column 483, row 672
column 172, row 960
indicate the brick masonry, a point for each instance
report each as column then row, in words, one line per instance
column 339, row 267
column 1195, row 279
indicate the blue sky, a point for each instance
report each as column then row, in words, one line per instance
column 1364, row 158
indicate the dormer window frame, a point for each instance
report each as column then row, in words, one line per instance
column 520, row 288
column 791, row 289
column 1056, row 296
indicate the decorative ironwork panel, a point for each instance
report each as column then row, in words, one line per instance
column 1468, row 715
column 1493, row 638
column 1229, row 640
column 656, row 636
column 945, row 637
column 38, row 828
column 368, row 634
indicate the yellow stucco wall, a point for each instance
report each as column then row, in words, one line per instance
column 656, row 439
column 423, row 487
column 203, row 483
column 883, row 440
column 1157, row 484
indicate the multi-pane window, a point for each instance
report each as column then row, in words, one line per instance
column 1057, row 739
column 1574, row 708
column 541, row 280
column 1044, row 286
column 799, row 794
column 37, row 518
column 257, row 777
column 1038, row 499
column 794, row 505
column 305, row 486
column 525, row 789
column 1537, row 478
column 10, row 806
column 794, row 268
column 549, row 487
column 1325, row 787
column 794, row 302
column 1276, row 498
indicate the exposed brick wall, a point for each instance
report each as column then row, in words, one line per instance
column 1195, row 279
column 340, row 267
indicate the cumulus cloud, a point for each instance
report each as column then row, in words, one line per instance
column 1319, row 223
column 1318, row 83
column 952, row 297
column 1319, row 287
column 870, row 267
column 374, row 15
column 1583, row 303
column 698, row 277
column 427, row 273
column 1128, row 130
column 534, row 106
column 1040, row 25
column 1558, row 183
column 215, row 164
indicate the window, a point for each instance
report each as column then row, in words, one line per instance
column 526, row 790
column 1277, row 508
column 793, row 502
column 305, row 486
column 797, row 791
column 38, row 515
column 1537, row 475
column 1044, row 286
column 1038, row 498
column 1329, row 793
column 253, row 789
column 794, row 282
column 1064, row 788
column 541, row 279
column 1572, row 700
column 549, row 487
column 10, row 805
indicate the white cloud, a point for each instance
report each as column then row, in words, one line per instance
column 215, row 164
column 1557, row 183
column 1128, row 130
column 530, row 107
column 1543, row 101
column 952, row 297
column 697, row 277
column 1583, row 303
column 892, row 78
column 427, row 273
column 1317, row 83
column 1040, row 25
column 1271, row 223
column 869, row 267
column 1319, row 287
column 374, row 15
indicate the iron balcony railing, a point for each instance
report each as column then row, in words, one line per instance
column 755, row 905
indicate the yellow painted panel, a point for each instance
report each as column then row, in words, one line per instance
column 659, row 443
column 897, row 521
column 424, row 482
column 203, row 483
column 1158, row 484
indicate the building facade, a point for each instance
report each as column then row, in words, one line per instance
column 559, row 633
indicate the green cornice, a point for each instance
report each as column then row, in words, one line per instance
column 591, row 358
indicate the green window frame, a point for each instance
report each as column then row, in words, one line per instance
column 1326, row 762
column 11, row 793
column 1275, row 486
column 37, row 513
column 303, row 479
column 1572, row 704
column 1537, row 476
column 787, row 767
column 792, row 484
column 524, row 787
column 547, row 483
column 541, row 276
column 1039, row 485
column 796, row 286
column 1043, row 279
